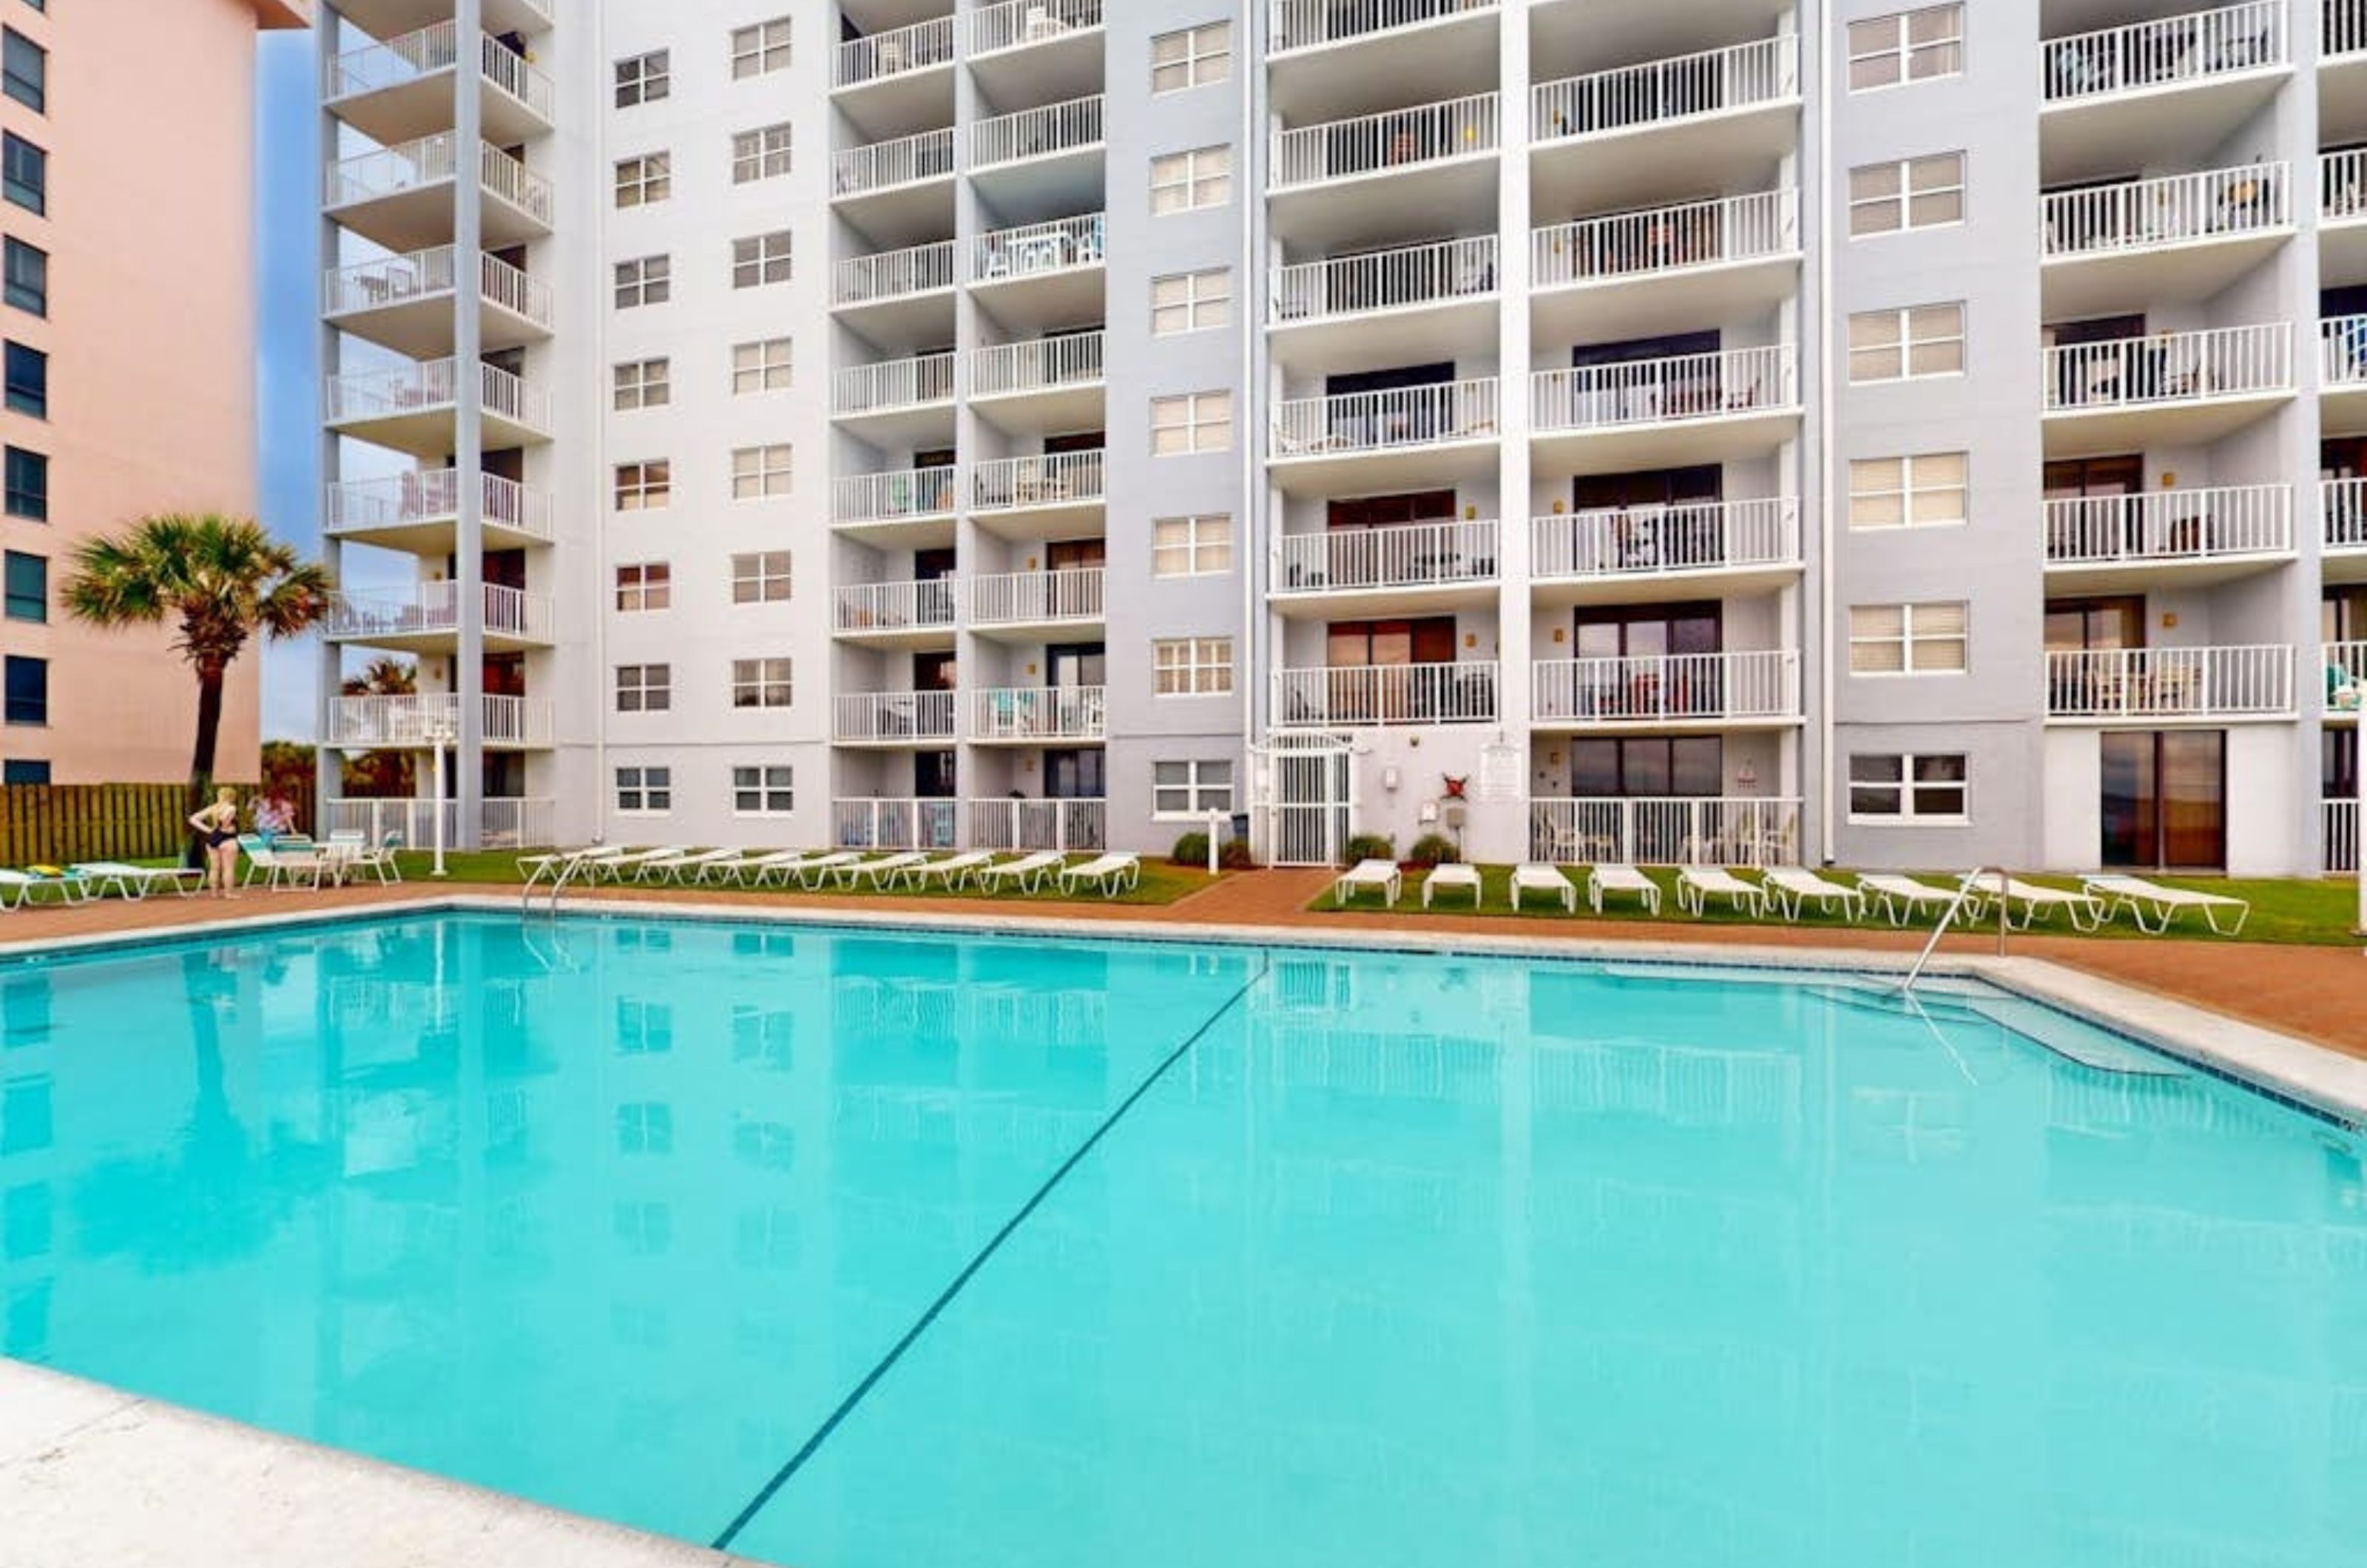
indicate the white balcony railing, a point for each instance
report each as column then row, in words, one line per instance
column 386, row 281
column 513, row 182
column 2345, row 23
column 1716, row 80
column 2174, row 209
column 415, row 722
column 1037, row 364
column 390, row 63
column 1404, row 555
column 1004, row 254
column 1310, row 24
column 2342, row 349
column 507, row 70
column 2349, row 662
column 1662, row 541
column 1025, row 598
column 1666, row 830
column 431, row 160
column 1379, row 422
column 1669, row 688
column 503, row 822
column 1039, row 713
column 1667, row 238
column 2342, row 183
column 893, row 53
column 2170, row 526
column 1062, row 826
column 1729, row 383
column 894, row 824
column 2343, row 508
column 2169, row 367
column 883, row 165
column 1019, row 23
column 431, row 609
column 511, row 289
column 394, row 501
column 2170, row 682
column 2165, row 52
column 1387, row 693
column 1384, row 280
column 429, row 387
column 892, row 275
column 2339, row 823
column 893, row 497
column 894, row 384
column 893, row 716
column 895, row 606
column 1385, row 142
column 1049, row 479
column 1036, row 133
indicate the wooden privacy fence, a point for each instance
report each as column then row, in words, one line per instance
column 54, row 824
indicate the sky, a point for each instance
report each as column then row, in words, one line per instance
column 287, row 214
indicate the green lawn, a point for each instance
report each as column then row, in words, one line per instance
column 2309, row 913
column 1161, row 883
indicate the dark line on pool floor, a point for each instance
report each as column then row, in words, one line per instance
column 846, row 1407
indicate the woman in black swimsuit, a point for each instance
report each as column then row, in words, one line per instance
column 216, row 827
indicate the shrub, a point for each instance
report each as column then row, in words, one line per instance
column 1192, row 849
column 1434, row 849
column 1371, row 846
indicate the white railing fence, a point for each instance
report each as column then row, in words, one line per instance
column 1073, row 359
column 882, row 165
column 1046, row 479
column 914, row 47
column 1015, row 23
column 2164, row 52
column 1665, row 239
column 2149, row 683
column 894, row 823
column 1666, row 830
column 2345, row 25
column 1037, row 132
column 392, row 63
column 513, row 290
column 1642, row 541
column 1649, row 392
column 894, row 384
column 506, row 822
column 431, row 608
column 1367, row 144
column 2342, row 184
column 431, row 495
column 2343, row 506
column 1306, row 24
column 2339, row 822
column 2342, row 348
column 1384, row 280
column 512, row 181
column 508, row 70
column 386, row 281
column 1060, row 827
column 1461, row 693
column 1020, row 598
column 2169, row 367
column 1713, row 82
column 1398, row 556
column 390, row 171
column 1033, row 248
column 889, row 497
column 1039, row 713
column 892, row 275
column 2170, row 525
column 894, row 606
column 1657, row 688
column 412, row 722
column 894, row 716
column 1371, row 421
column 2169, row 211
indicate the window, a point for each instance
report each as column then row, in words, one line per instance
column 1193, row 666
column 645, row 179
column 645, row 1127
column 643, row 384
column 760, row 683
column 28, row 380
column 1891, row 787
column 1906, row 46
column 1182, row 180
column 760, row 579
column 644, row 688
column 1191, row 301
column 24, row 173
column 760, row 155
column 760, row 366
column 646, row 586
column 647, row 280
column 643, row 79
column 29, row 485
column 1908, row 639
column 1926, row 490
column 1893, row 345
column 760, row 49
column 1914, row 193
column 762, row 792
column 27, row 277
column 1191, row 789
column 760, row 259
column 644, row 486
column 24, row 771
column 1192, row 58
column 28, row 684
column 760, row 471
column 1194, row 422
column 1192, row 547
column 28, row 579
column 24, row 70
column 644, row 789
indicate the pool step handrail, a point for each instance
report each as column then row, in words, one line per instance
column 1967, row 890
column 562, row 870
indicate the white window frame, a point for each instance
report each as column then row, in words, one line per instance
column 763, row 682
column 1912, row 59
column 1905, row 486
column 767, row 364
column 1200, row 793
column 1896, row 209
column 758, row 573
column 643, row 384
column 759, row 261
column 1191, row 417
column 1908, row 789
column 649, row 589
column 760, row 48
column 1906, row 641
column 1903, row 346
column 765, row 152
column 644, row 78
column 651, row 688
column 644, row 179
column 1195, row 301
column 1191, row 57
column 644, row 281
column 650, row 789
column 772, row 788
column 763, row 473
column 1188, row 181
column 1206, row 535
column 1191, row 666
column 646, row 485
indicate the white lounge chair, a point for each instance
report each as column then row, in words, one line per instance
column 1899, row 900
column 1028, row 873
column 729, row 868
column 1607, row 879
column 137, row 880
column 949, row 872
column 553, row 862
column 673, row 867
column 2138, row 895
column 1697, row 884
column 2085, row 910
column 882, row 871
column 1535, row 876
column 813, row 872
column 1113, row 874
column 615, row 867
column 1381, row 873
column 1793, row 889
column 1450, row 874
column 18, row 888
column 780, row 865
column 300, row 860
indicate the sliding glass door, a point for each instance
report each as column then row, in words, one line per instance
column 2164, row 795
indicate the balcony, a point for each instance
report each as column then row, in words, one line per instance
column 1676, row 691
column 1665, row 830
column 1665, row 268
column 419, row 513
column 1043, row 159
column 2178, row 238
column 1029, row 605
column 1062, row 826
column 1041, row 384
column 2111, row 542
column 1042, row 274
column 2343, row 210
column 1609, row 138
column 897, row 56
column 2342, row 370
column 1320, row 52
column 401, row 89
column 907, row 509
column 2342, row 509
column 503, row 822
column 2345, row 675
column 2165, row 390
column 404, row 303
column 426, row 618
column 2149, row 684
column 2162, row 91
column 1036, row 715
column 389, row 18
column 1437, row 159
column 414, row 408
column 400, row 198
column 1395, row 307
column 1051, row 495
column 898, row 191
column 411, row 723
column 896, row 614
column 1390, row 694
column 1649, row 414
column 894, row 823
column 899, row 402
column 1408, row 567
column 893, row 719
column 901, row 296
column 1361, row 441
column 1023, row 50
column 1654, row 554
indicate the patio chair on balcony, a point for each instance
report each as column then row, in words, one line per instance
column 1291, row 445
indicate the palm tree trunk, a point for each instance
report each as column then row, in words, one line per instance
column 201, row 760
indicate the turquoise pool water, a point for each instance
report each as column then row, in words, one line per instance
column 870, row 1251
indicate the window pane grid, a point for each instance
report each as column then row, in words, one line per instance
column 643, row 487
column 760, row 683
column 761, row 471
column 1193, row 666
column 762, row 367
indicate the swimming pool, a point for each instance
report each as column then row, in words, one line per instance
column 858, row 1249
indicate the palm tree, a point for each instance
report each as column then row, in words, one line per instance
column 388, row 776
column 220, row 579
column 383, row 677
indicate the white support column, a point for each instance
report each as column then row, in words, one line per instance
column 1514, row 613
column 468, row 441
column 328, row 775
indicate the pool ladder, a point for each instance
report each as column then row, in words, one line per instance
column 562, row 872
column 1967, row 892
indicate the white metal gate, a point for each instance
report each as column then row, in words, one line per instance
column 1308, row 798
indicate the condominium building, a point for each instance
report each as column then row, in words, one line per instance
column 129, row 363
column 1734, row 430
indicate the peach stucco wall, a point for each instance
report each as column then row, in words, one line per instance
column 151, row 336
